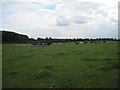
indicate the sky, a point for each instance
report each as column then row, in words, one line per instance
column 61, row 18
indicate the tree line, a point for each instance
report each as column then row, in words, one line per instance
column 12, row 37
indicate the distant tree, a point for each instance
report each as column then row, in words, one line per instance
column 46, row 38
column 32, row 39
column 8, row 36
column 38, row 39
column 50, row 38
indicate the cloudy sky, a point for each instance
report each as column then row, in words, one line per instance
column 61, row 18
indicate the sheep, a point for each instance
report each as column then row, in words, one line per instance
column 81, row 42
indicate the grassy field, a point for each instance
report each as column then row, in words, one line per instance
column 61, row 66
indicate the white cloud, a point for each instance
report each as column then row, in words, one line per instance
column 25, row 18
column 70, row 18
column 62, row 21
column 0, row 15
column 81, row 19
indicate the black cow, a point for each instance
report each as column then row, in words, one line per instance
column 49, row 43
column 34, row 43
column 91, row 41
column 76, row 43
column 85, row 42
column 104, row 41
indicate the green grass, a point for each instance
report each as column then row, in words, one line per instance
column 61, row 66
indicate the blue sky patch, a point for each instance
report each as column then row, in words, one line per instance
column 51, row 7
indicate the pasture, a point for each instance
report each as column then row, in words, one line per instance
column 91, row 65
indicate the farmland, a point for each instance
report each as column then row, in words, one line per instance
column 91, row 65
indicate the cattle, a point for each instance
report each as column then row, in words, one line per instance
column 95, row 41
column 59, row 43
column 81, row 42
column 76, row 43
column 104, row 41
column 85, row 42
column 91, row 41
column 48, row 43
column 40, row 43
column 98, row 41
column 22, row 45
column 34, row 43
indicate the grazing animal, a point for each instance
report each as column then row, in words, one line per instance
column 34, row 43
column 91, row 41
column 44, row 44
column 81, row 42
column 104, row 41
column 22, row 45
column 76, row 43
column 86, row 42
column 95, row 42
column 48, row 44
column 59, row 43
column 40, row 43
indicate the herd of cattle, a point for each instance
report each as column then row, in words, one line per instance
column 89, row 42
column 50, row 43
